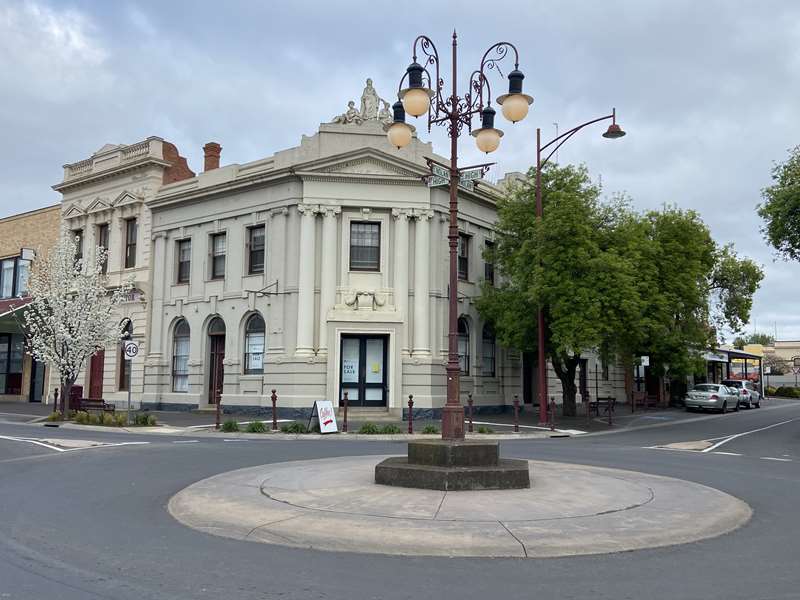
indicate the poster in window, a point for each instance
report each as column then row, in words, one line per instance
column 350, row 357
column 374, row 361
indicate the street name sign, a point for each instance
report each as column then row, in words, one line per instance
column 441, row 176
column 645, row 361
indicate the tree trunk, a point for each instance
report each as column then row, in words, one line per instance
column 66, row 389
column 565, row 368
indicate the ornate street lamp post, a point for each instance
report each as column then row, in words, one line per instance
column 425, row 93
column 614, row 131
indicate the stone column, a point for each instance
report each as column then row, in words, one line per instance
column 276, row 271
column 401, row 272
column 305, row 294
column 327, row 294
column 422, row 258
column 89, row 243
column 156, row 342
column 116, row 243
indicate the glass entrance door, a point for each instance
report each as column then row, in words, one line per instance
column 363, row 369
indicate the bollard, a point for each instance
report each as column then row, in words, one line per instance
column 344, row 404
column 274, row 399
column 516, row 413
column 411, row 413
column 469, row 411
column 55, row 400
column 611, row 403
column 552, row 413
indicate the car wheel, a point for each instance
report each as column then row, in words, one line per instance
column 758, row 404
column 724, row 408
column 736, row 407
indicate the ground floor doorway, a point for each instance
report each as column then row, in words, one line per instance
column 363, row 369
column 96, row 368
column 37, row 381
column 216, row 358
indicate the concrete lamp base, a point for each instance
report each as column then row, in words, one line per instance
column 453, row 466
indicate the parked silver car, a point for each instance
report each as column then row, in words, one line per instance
column 749, row 394
column 712, row 396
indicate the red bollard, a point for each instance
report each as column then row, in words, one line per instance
column 469, row 412
column 411, row 413
column 552, row 414
column 344, row 404
column 516, row 413
column 274, row 399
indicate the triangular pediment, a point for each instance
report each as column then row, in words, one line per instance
column 73, row 211
column 126, row 198
column 98, row 205
column 107, row 148
column 365, row 163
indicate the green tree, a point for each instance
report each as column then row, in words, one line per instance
column 754, row 338
column 610, row 279
column 781, row 207
column 571, row 264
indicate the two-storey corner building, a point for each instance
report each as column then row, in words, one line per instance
column 104, row 204
column 23, row 238
column 317, row 271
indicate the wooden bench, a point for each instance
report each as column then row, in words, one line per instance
column 97, row 405
column 643, row 400
column 607, row 404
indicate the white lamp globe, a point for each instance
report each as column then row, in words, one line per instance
column 416, row 101
column 487, row 140
column 399, row 135
column 515, row 107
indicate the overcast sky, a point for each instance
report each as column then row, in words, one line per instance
column 708, row 91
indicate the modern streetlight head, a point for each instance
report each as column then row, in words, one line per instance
column 416, row 97
column 515, row 104
column 398, row 131
column 487, row 138
column 614, row 131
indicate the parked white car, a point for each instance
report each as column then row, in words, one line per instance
column 712, row 396
column 749, row 395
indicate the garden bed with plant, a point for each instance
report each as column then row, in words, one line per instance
column 83, row 417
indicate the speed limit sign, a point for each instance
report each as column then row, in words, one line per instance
column 131, row 350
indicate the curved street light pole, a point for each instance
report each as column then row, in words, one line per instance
column 614, row 131
column 456, row 112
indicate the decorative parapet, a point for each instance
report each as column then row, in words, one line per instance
column 111, row 157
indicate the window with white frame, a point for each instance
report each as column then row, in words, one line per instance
column 254, row 338
column 489, row 352
column 180, row 357
column 463, row 346
column 218, row 247
column 365, row 246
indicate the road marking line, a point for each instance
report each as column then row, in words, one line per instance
column 778, row 459
column 570, row 431
column 728, row 453
column 36, row 442
column 738, row 435
column 237, row 440
column 185, row 441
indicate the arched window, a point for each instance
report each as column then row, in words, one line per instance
column 489, row 348
column 463, row 346
column 125, row 365
column 216, row 327
column 254, row 336
column 180, row 357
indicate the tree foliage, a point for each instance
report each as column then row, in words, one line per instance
column 610, row 279
column 754, row 338
column 781, row 207
column 71, row 314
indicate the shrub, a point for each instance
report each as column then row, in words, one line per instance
column 119, row 419
column 390, row 429
column 369, row 428
column 108, row 420
column 81, row 417
column 484, row 429
column 294, row 428
column 430, row 429
column 151, row 421
column 787, row 391
column 770, row 390
column 230, row 425
column 93, row 419
column 256, row 427
column 55, row 416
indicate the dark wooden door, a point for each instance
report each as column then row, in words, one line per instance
column 37, row 381
column 96, row 365
column 216, row 371
column 363, row 369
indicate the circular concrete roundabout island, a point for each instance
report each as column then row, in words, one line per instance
column 334, row 504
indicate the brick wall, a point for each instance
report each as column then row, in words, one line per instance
column 37, row 229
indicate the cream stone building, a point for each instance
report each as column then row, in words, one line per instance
column 317, row 271
column 104, row 205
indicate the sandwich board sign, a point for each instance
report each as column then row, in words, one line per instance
column 324, row 413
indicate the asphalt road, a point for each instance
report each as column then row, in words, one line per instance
column 92, row 522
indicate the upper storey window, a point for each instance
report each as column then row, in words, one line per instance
column 365, row 246
column 131, row 233
column 218, row 246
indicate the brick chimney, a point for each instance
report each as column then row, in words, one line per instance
column 211, row 151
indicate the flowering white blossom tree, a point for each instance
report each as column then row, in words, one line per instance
column 71, row 314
